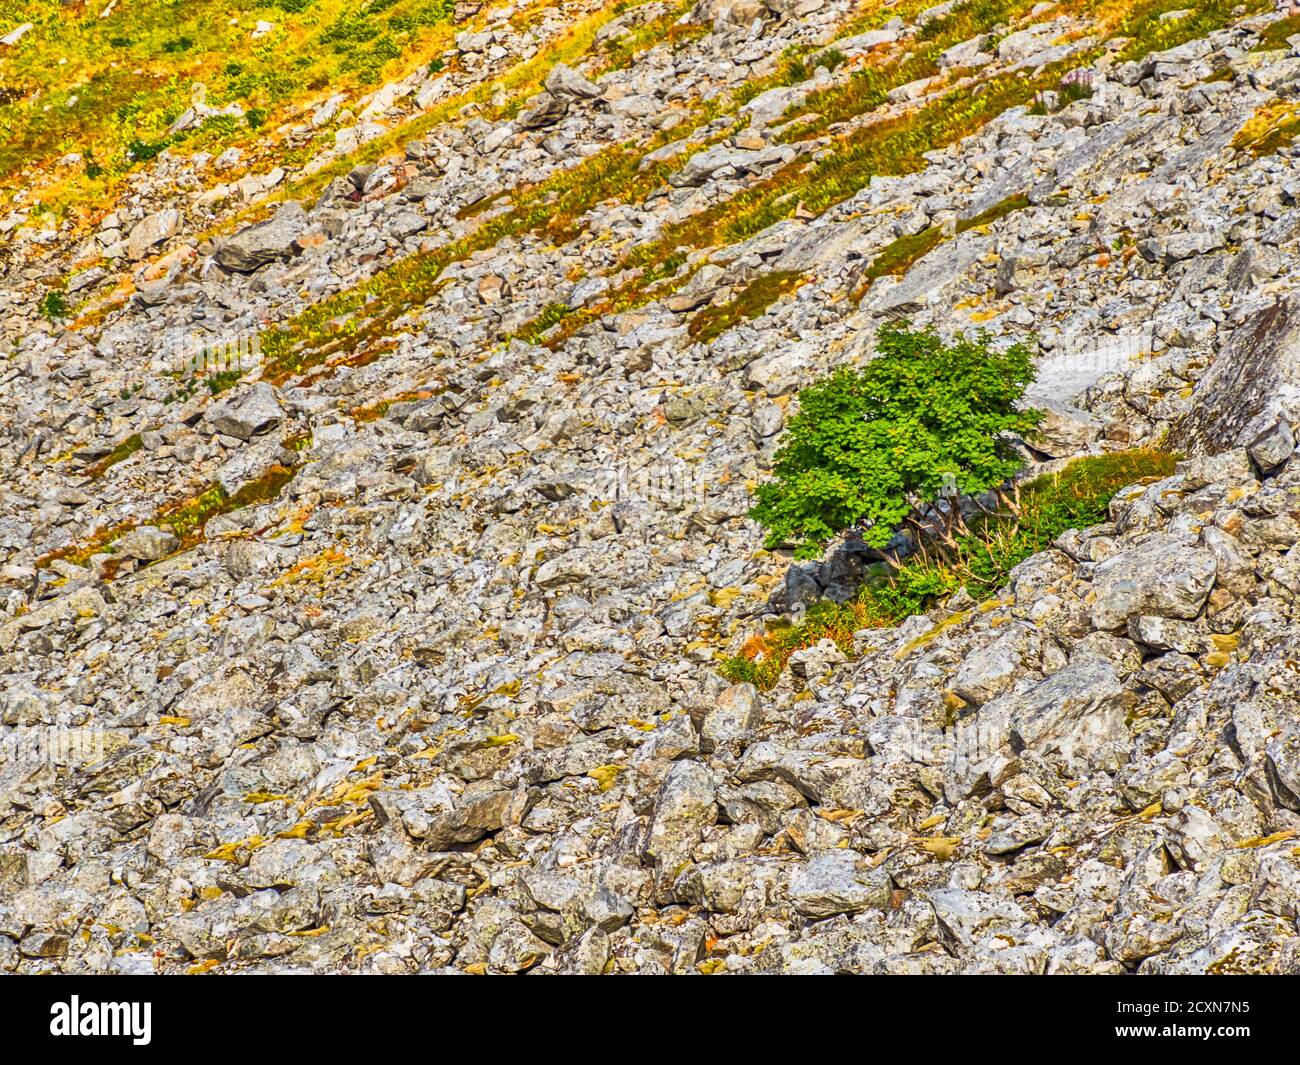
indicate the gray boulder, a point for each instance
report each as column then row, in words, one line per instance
column 257, row 411
column 544, row 109
column 147, row 543
column 838, row 882
column 564, row 81
column 152, row 230
column 1166, row 576
column 737, row 711
column 255, row 246
column 1273, row 446
column 1254, row 381
column 684, row 808
column 1078, row 712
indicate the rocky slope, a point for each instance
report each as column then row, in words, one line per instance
column 367, row 568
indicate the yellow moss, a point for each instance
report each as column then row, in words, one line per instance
column 932, row 634
column 317, row 569
column 238, row 851
column 605, row 775
column 257, row 798
column 1265, row 841
column 1273, row 125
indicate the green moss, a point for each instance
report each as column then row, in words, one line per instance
column 120, row 453
column 110, row 86
column 619, row 52
column 897, row 258
column 868, row 87
column 750, row 302
column 219, row 382
column 552, row 314
column 54, row 305
column 184, row 518
column 1275, row 34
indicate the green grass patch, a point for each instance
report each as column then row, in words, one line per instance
column 120, row 453
column 619, row 52
column 755, row 298
column 552, row 315
column 1275, row 125
column 184, row 518
column 1274, row 35
column 349, row 325
column 897, row 258
column 868, row 86
column 54, row 305
column 111, row 86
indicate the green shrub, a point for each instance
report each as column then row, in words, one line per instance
column 869, row 446
column 140, row 151
column 979, row 560
column 54, row 305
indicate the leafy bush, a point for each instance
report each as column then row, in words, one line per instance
column 869, row 446
column 140, row 151
column 54, row 305
column 980, row 560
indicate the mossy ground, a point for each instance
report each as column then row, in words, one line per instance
column 899, row 257
column 1275, row 125
column 1275, row 34
column 183, row 518
column 121, row 453
column 355, row 326
column 109, row 87
column 750, row 302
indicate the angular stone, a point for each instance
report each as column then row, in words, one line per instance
column 473, row 818
column 738, row 711
column 1064, row 430
column 988, row 672
column 146, row 543
column 257, row 411
column 838, row 882
column 152, row 230
column 1166, row 576
column 563, row 81
column 544, row 109
column 255, row 246
column 1078, row 712
column 1273, row 446
column 1253, row 383
column 684, row 807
